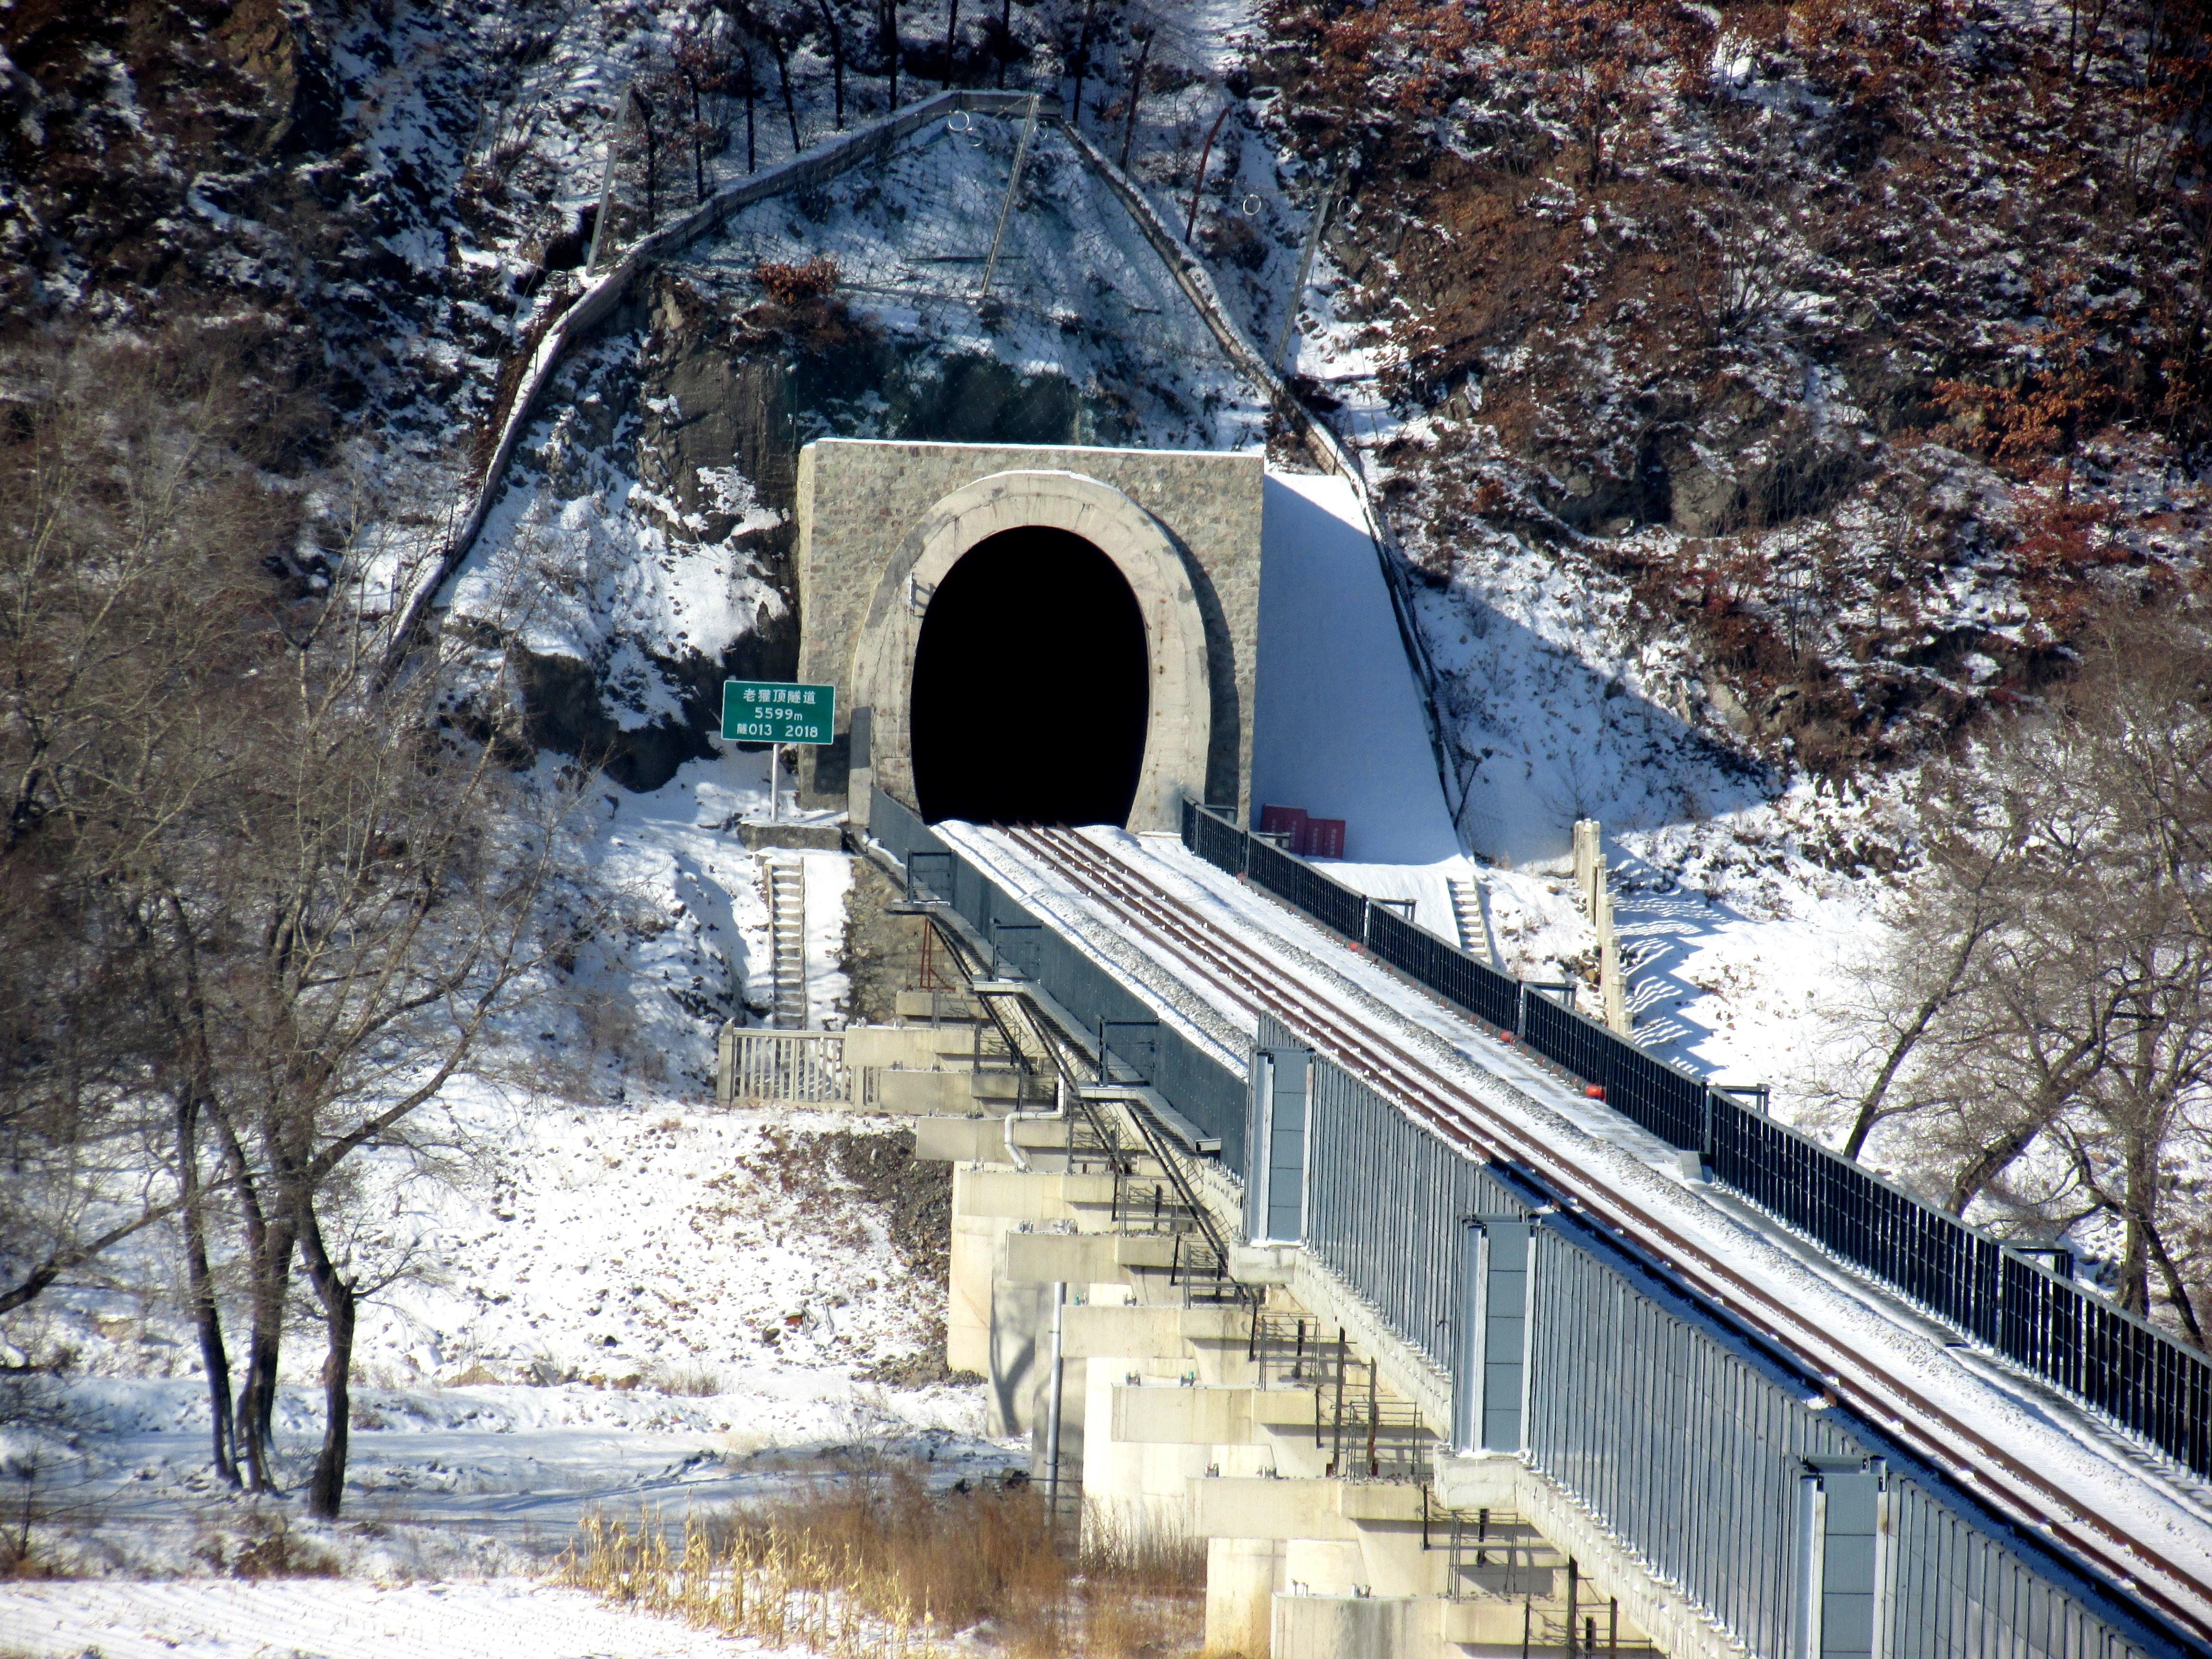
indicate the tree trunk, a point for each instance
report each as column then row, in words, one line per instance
column 2177, row 1288
column 891, row 33
column 1082, row 64
column 698, row 143
column 783, row 80
column 326, row 1487
column 1869, row 1112
column 268, row 1258
column 1995, row 1160
column 1005, row 39
column 2135, row 1249
column 200, row 1287
column 1205, row 154
column 836, row 57
column 256, row 1400
column 1136, row 93
column 951, row 38
column 752, row 153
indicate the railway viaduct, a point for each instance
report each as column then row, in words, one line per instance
column 1454, row 1323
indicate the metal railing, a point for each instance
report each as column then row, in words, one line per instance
column 1289, row 877
column 2119, row 1365
column 799, row 1068
column 1206, row 1092
column 1492, row 996
column 1664, row 1425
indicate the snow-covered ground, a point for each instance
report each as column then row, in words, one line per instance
column 495, row 1619
column 640, row 1303
column 603, row 1290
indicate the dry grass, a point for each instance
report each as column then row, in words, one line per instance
column 881, row 1565
column 261, row 1545
column 698, row 1381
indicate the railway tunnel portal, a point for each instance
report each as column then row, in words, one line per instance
column 1047, row 614
column 1031, row 634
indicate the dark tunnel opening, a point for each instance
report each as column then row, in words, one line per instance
column 1030, row 686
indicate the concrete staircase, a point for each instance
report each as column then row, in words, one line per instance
column 1467, row 913
column 787, row 926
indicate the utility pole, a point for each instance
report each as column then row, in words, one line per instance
column 1013, row 184
column 1327, row 206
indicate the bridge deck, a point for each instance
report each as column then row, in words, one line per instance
column 1197, row 942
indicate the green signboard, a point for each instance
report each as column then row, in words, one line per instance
column 777, row 711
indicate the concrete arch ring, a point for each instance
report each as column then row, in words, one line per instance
column 1179, row 716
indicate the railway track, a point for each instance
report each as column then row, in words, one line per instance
column 1221, row 959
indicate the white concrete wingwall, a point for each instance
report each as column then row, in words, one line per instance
column 1339, row 725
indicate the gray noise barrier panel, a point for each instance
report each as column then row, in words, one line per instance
column 1210, row 1094
column 1684, row 1436
column 2112, row 1361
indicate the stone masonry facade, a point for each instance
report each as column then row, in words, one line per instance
column 862, row 505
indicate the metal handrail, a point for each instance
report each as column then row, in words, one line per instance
column 1992, row 1291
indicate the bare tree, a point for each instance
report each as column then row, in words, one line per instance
column 1746, row 256
column 778, row 37
column 369, row 895
column 1587, row 56
column 1078, row 60
column 2040, row 1030
column 1145, row 35
column 699, row 70
column 256, row 917
column 128, row 529
column 138, row 562
column 748, row 87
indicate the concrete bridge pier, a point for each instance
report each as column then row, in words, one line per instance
column 1264, row 1427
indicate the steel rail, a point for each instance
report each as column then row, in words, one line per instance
column 1467, row 1121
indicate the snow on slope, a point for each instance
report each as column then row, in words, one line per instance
column 604, row 1290
column 655, row 1244
column 570, row 564
column 1076, row 293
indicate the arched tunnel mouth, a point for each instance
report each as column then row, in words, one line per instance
column 1030, row 685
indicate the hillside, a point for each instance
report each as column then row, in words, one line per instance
column 1769, row 401
column 1848, row 358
